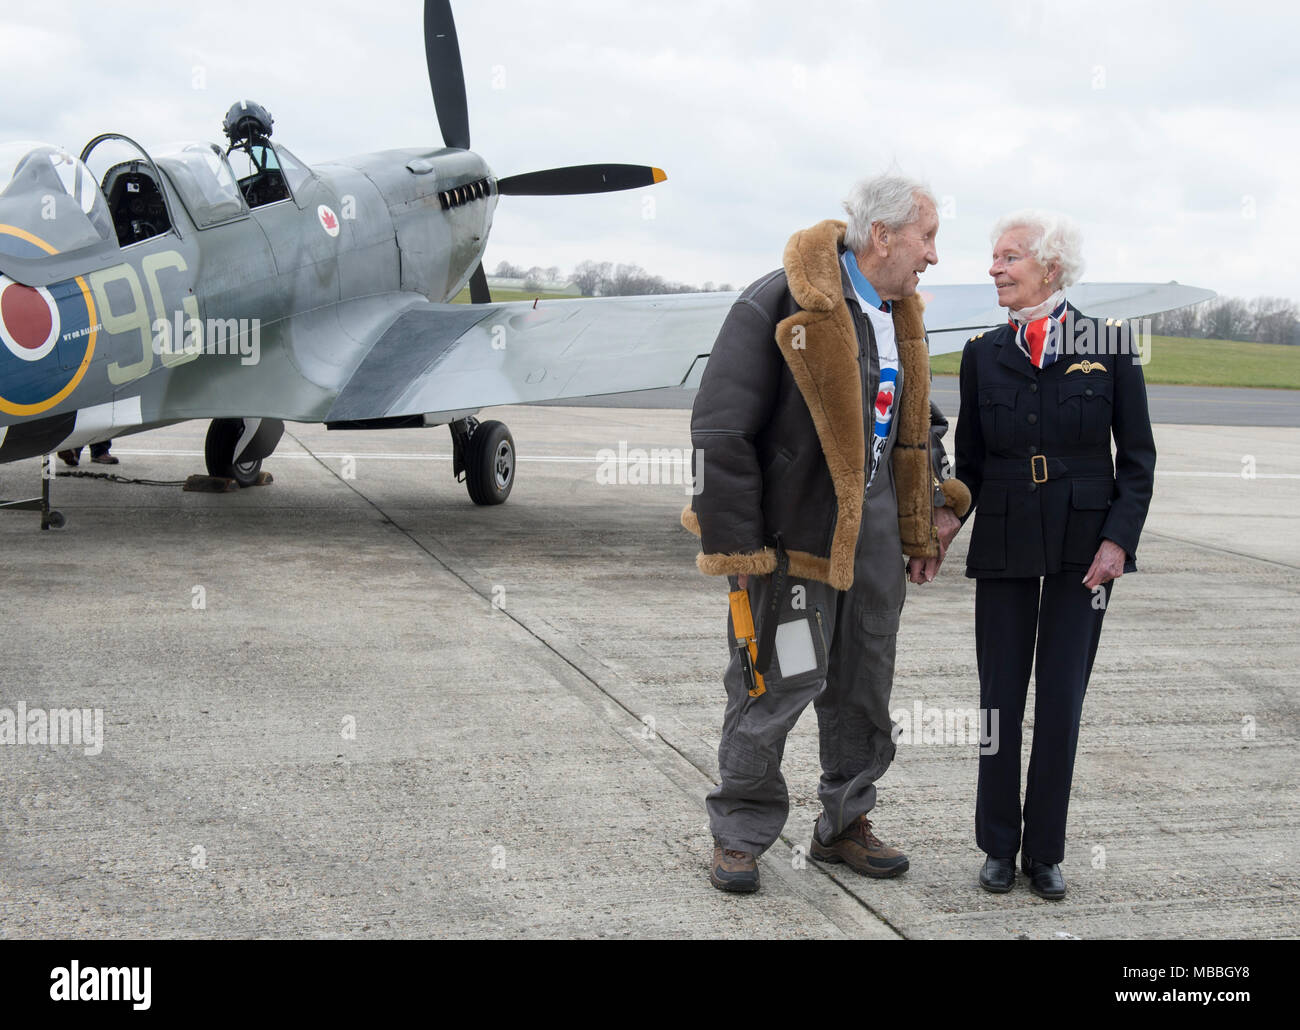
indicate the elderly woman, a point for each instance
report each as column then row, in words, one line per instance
column 1056, row 524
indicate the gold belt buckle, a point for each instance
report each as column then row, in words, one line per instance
column 1033, row 468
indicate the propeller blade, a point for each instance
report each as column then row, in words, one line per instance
column 446, row 77
column 561, row 182
column 478, row 287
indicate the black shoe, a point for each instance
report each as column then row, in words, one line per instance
column 1044, row 880
column 998, row 874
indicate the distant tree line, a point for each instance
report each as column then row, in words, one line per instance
column 1265, row 319
column 604, row 279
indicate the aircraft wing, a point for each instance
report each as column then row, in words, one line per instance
column 955, row 313
column 436, row 361
column 442, row 359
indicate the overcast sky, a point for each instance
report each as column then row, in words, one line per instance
column 1168, row 130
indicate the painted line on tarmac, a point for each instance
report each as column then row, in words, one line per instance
column 1220, row 550
column 582, row 459
column 589, row 679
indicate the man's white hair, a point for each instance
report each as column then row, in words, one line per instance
column 1053, row 237
column 891, row 199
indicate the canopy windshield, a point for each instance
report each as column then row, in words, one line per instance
column 49, row 202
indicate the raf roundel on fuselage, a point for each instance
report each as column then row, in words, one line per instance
column 50, row 208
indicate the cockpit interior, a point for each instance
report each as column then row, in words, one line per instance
column 248, row 127
column 135, row 203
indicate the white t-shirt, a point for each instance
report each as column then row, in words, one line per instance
column 882, row 324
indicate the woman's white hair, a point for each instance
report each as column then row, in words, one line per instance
column 894, row 200
column 1053, row 237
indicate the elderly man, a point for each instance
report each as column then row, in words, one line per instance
column 818, row 453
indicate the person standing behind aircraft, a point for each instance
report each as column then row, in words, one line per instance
column 98, row 454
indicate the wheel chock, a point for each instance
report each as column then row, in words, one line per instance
column 220, row 484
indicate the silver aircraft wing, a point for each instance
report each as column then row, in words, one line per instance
column 955, row 313
column 437, row 361
column 442, row 359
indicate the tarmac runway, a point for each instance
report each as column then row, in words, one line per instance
column 352, row 704
column 1177, row 405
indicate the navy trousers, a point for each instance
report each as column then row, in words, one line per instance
column 1060, row 619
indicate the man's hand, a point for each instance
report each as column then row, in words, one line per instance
column 948, row 525
column 1108, row 565
column 923, row 570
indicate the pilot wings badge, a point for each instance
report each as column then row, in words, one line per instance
column 1085, row 367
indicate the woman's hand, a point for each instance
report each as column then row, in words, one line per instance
column 1108, row 565
column 923, row 570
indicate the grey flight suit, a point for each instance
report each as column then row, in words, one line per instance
column 853, row 633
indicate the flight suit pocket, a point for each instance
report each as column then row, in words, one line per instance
column 1089, row 504
column 737, row 757
column 998, row 417
column 799, row 656
column 1085, row 409
column 988, row 543
column 881, row 623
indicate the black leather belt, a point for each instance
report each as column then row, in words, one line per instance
column 1040, row 468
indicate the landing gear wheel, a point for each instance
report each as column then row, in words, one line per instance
column 490, row 463
column 219, row 452
column 54, row 520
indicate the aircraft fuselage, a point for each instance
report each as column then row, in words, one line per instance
column 261, row 315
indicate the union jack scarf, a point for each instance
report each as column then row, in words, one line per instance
column 1040, row 330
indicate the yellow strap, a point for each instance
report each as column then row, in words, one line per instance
column 742, row 622
column 742, row 619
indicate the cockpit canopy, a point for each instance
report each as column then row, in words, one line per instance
column 49, row 202
column 203, row 179
column 116, row 195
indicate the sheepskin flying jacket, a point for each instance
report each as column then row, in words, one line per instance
column 778, row 429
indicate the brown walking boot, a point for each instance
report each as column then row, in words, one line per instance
column 861, row 850
column 733, row 870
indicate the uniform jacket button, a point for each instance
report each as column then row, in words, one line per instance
column 1032, row 418
column 1088, row 392
column 1033, row 387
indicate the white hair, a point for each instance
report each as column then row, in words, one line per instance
column 891, row 199
column 1053, row 237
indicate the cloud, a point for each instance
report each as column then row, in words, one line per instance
column 1159, row 127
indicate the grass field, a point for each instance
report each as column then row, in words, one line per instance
column 1201, row 363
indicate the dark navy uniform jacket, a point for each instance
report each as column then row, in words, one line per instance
column 1034, row 447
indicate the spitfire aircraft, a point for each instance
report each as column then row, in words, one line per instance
column 239, row 285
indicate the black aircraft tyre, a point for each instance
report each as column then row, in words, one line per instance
column 490, row 463
column 219, row 452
